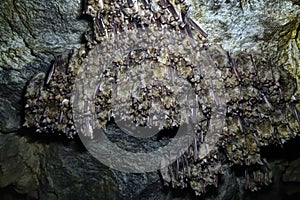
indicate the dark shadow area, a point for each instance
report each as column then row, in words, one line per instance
column 8, row 193
column 288, row 151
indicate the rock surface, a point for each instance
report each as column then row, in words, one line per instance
column 44, row 168
column 63, row 170
column 32, row 32
column 50, row 169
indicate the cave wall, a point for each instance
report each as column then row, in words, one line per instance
column 42, row 167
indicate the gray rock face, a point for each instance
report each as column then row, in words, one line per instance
column 20, row 169
column 58, row 170
column 35, row 168
column 31, row 33
column 241, row 25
